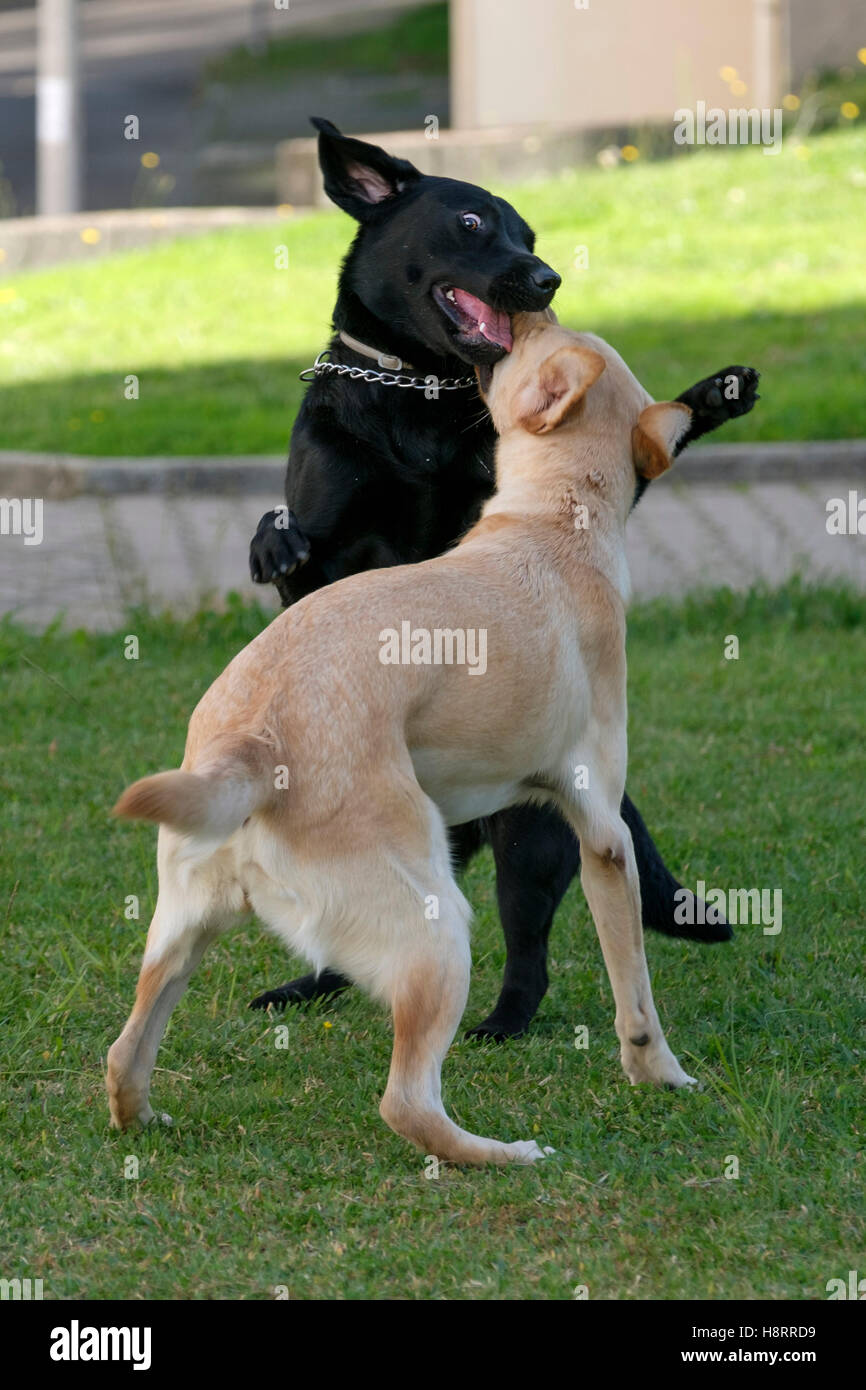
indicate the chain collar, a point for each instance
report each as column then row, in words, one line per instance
column 417, row 383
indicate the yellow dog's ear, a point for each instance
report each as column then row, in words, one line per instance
column 559, row 384
column 656, row 435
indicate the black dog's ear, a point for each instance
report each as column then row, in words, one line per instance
column 359, row 176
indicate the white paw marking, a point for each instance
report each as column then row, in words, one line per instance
column 528, row 1151
column 656, row 1065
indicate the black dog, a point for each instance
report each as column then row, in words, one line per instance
column 391, row 461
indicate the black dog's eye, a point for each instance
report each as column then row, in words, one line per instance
column 471, row 221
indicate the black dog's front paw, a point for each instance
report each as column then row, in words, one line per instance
column 279, row 547
column 724, row 395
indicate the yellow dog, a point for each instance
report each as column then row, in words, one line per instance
column 323, row 766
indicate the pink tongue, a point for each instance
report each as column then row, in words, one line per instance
column 493, row 324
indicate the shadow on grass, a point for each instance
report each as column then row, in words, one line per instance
column 812, row 372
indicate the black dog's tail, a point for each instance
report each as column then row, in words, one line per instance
column 666, row 905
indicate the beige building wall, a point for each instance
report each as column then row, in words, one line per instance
column 825, row 35
column 621, row 62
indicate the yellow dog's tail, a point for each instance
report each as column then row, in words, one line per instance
column 233, row 778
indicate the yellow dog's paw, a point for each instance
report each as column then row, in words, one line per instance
column 654, row 1065
column 528, row 1151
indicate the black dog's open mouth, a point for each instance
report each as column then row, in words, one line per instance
column 476, row 322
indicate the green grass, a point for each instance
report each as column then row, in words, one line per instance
column 278, row 1170
column 823, row 95
column 717, row 256
column 416, row 41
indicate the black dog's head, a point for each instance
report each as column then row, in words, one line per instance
column 437, row 261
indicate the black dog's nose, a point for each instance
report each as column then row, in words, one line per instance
column 546, row 279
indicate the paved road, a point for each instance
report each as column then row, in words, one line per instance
column 140, row 57
column 99, row 554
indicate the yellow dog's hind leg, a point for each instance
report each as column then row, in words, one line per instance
column 197, row 902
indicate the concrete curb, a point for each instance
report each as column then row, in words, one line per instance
column 27, row 243
column 782, row 461
column 58, row 477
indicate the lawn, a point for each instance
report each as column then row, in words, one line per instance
column 711, row 257
column 416, row 41
column 278, row 1171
